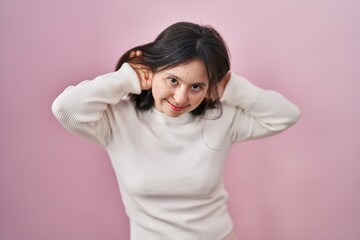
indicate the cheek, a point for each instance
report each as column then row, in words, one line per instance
column 198, row 99
column 159, row 90
column 204, row 95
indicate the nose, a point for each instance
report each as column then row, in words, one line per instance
column 181, row 96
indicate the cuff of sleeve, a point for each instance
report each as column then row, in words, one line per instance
column 129, row 79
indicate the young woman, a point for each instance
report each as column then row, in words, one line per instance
column 167, row 117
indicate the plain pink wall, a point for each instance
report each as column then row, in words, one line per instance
column 303, row 184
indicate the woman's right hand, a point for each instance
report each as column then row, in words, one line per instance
column 144, row 73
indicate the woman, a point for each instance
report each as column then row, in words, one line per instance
column 167, row 117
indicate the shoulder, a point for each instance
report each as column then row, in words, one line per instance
column 124, row 109
column 223, row 114
column 217, row 128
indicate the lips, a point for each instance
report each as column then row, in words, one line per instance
column 176, row 108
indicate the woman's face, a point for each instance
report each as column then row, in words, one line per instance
column 180, row 89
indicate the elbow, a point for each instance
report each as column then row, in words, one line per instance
column 286, row 121
column 294, row 116
column 57, row 109
column 61, row 111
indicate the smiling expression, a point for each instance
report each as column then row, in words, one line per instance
column 180, row 89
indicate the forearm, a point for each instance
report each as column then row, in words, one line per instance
column 263, row 112
column 84, row 108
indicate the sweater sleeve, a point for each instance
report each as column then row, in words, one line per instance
column 259, row 112
column 85, row 109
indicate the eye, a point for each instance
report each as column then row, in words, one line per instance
column 196, row 87
column 173, row 81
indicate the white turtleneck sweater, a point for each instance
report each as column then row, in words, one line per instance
column 170, row 170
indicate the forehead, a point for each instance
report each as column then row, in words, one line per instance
column 191, row 72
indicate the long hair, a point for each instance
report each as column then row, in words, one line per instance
column 181, row 43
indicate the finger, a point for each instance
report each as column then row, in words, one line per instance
column 132, row 54
column 138, row 53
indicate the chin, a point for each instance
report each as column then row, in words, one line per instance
column 174, row 114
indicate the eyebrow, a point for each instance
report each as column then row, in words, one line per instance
column 202, row 83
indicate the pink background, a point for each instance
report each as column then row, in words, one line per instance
column 303, row 184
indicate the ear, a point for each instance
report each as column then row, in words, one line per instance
column 146, row 74
column 146, row 78
column 222, row 84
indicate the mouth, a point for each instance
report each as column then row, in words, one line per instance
column 176, row 108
